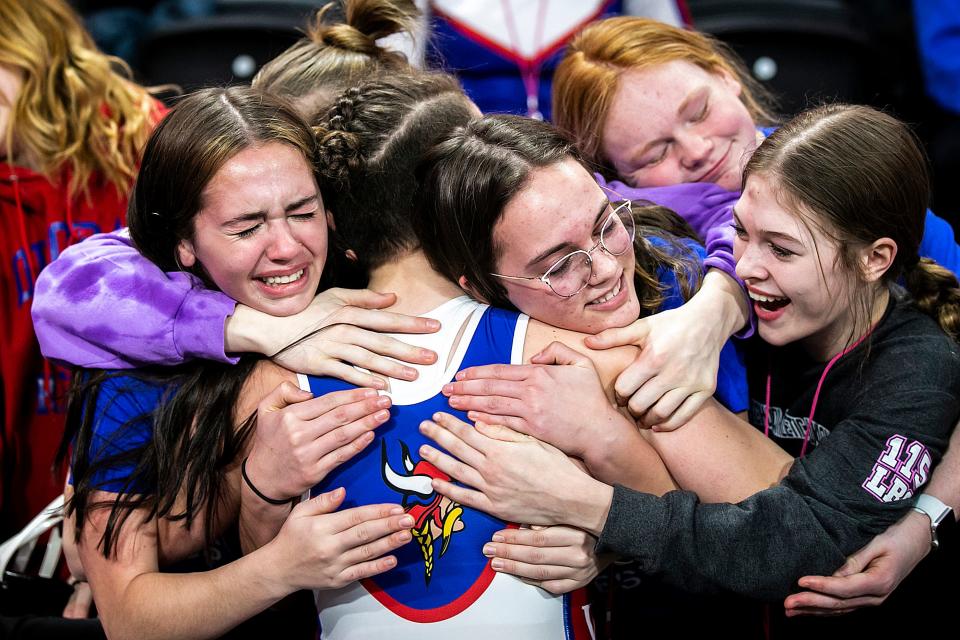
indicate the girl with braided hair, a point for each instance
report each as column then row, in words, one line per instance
column 373, row 139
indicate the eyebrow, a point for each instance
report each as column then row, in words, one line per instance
column 259, row 215
column 543, row 254
column 770, row 234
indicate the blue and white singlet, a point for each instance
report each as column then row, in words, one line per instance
column 443, row 586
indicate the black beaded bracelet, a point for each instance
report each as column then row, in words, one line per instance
column 246, row 478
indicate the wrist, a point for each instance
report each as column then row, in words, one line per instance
column 590, row 506
column 722, row 297
column 244, row 331
column 600, row 452
column 257, row 478
column 274, row 573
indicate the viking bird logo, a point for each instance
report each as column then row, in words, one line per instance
column 436, row 517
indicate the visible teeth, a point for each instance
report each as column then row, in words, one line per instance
column 760, row 298
column 275, row 280
column 609, row 296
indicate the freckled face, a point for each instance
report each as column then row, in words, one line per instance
column 676, row 122
column 796, row 283
column 262, row 234
column 561, row 209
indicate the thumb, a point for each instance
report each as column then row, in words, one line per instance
column 324, row 503
column 365, row 298
column 634, row 333
column 285, row 394
column 559, row 353
column 855, row 563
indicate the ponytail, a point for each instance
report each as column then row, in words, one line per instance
column 339, row 52
column 936, row 292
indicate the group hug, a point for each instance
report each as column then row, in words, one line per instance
column 667, row 363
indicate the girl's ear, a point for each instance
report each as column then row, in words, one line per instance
column 876, row 258
column 466, row 286
column 186, row 255
column 330, row 221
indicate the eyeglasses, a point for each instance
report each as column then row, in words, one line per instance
column 570, row 274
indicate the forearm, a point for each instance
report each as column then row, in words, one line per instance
column 757, row 548
column 194, row 605
column 245, row 331
column 721, row 298
column 259, row 521
column 720, row 457
column 621, row 455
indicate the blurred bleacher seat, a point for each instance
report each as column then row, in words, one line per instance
column 228, row 46
column 811, row 51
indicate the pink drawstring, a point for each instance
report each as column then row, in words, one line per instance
column 816, row 394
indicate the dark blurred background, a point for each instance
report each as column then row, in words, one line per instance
column 897, row 55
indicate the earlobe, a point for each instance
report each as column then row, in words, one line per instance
column 186, row 256
column 351, row 255
column 465, row 285
column 877, row 258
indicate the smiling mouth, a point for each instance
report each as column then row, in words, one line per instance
column 275, row 281
column 767, row 302
column 609, row 295
column 717, row 168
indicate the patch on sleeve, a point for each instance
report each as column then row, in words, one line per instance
column 901, row 469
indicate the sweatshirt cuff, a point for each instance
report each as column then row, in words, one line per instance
column 634, row 527
column 198, row 330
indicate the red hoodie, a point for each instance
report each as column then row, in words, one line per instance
column 37, row 222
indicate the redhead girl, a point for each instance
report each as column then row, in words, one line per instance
column 848, row 373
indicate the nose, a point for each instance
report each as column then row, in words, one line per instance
column 605, row 265
column 284, row 245
column 695, row 149
column 749, row 264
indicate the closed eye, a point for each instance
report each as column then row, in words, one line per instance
column 780, row 252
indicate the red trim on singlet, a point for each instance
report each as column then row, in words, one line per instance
column 462, row 603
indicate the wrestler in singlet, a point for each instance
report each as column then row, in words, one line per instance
column 443, row 585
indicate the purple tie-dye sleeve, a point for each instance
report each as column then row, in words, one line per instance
column 102, row 304
column 708, row 209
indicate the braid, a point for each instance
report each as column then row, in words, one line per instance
column 936, row 292
column 339, row 149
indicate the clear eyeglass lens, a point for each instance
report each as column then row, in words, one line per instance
column 570, row 274
column 618, row 231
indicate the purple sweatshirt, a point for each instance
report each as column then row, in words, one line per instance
column 101, row 304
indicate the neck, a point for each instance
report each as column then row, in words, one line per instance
column 848, row 332
column 418, row 286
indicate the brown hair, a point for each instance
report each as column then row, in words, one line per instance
column 467, row 181
column 587, row 78
column 863, row 174
column 368, row 149
column 77, row 111
column 336, row 55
